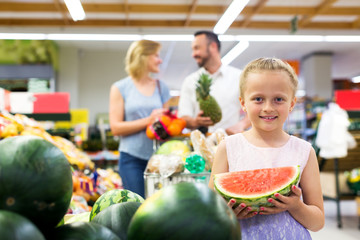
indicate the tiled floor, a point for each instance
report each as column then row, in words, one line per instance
column 350, row 222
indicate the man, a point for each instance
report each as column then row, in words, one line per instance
column 225, row 88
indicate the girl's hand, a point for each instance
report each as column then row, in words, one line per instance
column 241, row 211
column 283, row 203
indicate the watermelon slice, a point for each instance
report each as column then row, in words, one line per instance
column 254, row 187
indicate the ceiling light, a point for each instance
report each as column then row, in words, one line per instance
column 229, row 16
column 342, row 38
column 94, row 37
column 23, row 36
column 282, row 38
column 178, row 37
column 76, row 10
column 170, row 37
column 356, row 79
column 234, row 52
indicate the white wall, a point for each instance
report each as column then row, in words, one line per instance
column 87, row 75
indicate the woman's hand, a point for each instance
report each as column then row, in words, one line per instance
column 283, row 203
column 241, row 211
column 156, row 114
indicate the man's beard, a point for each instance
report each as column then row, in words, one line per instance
column 204, row 60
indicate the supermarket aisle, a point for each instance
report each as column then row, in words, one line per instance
column 349, row 231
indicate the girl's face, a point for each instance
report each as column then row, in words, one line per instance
column 154, row 62
column 268, row 99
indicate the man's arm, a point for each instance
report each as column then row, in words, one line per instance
column 240, row 126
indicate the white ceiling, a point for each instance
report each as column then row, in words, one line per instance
column 325, row 17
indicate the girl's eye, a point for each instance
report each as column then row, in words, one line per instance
column 279, row 99
column 258, row 99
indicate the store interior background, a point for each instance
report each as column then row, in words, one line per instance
column 88, row 68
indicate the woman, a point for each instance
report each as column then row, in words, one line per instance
column 135, row 102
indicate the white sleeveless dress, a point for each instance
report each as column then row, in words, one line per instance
column 242, row 155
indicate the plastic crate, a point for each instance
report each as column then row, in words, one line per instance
column 154, row 182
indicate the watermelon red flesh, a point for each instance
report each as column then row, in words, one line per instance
column 254, row 187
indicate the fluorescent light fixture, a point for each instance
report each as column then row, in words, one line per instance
column 170, row 37
column 342, row 38
column 76, row 9
column 178, row 37
column 281, row 38
column 229, row 16
column 356, row 79
column 234, row 52
column 94, row 37
column 23, row 36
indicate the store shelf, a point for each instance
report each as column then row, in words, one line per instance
column 50, row 116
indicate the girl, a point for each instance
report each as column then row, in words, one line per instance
column 267, row 95
column 135, row 102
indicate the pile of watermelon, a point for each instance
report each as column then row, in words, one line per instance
column 36, row 189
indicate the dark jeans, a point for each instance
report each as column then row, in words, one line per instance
column 132, row 173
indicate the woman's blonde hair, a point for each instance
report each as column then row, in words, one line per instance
column 267, row 64
column 137, row 57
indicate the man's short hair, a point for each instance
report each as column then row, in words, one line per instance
column 211, row 37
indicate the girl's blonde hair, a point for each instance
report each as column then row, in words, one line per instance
column 267, row 64
column 137, row 57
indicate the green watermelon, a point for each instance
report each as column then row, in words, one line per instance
column 254, row 187
column 117, row 217
column 35, row 180
column 112, row 197
column 184, row 211
column 16, row 227
column 83, row 231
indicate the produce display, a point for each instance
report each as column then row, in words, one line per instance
column 53, row 190
column 117, row 217
column 184, row 211
column 254, row 187
column 36, row 180
column 207, row 103
column 112, row 197
column 18, row 124
column 353, row 180
column 16, row 227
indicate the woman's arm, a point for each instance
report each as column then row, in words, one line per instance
column 118, row 126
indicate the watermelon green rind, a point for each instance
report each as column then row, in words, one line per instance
column 16, row 227
column 184, row 211
column 255, row 202
column 35, row 180
column 83, row 231
column 117, row 217
column 112, row 197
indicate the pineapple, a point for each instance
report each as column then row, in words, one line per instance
column 207, row 103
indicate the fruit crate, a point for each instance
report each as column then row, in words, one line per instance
column 155, row 182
